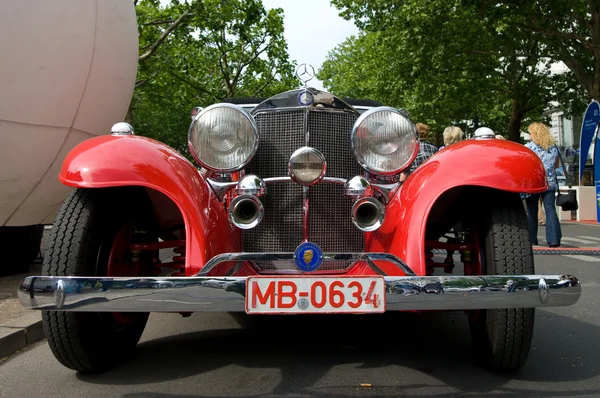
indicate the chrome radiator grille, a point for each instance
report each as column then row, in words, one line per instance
column 330, row 226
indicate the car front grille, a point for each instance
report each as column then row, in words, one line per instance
column 330, row 226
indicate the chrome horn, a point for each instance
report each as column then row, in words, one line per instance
column 246, row 211
column 368, row 214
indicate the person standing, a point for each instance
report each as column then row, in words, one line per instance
column 452, row 134
column 426, row 148
column 542, row 144
column 541, row 214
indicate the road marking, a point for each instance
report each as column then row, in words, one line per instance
column 583, row 258
column 577, row 240
column 590, row 237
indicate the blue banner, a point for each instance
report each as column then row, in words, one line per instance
column 588, row 128
column 597, row 176
column 598, row 201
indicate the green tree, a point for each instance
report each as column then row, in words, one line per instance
column 450, row 65
column 569, row 29
column 196, row 53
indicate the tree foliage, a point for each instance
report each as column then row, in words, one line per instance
column 446, row 63
column 569, row 29
column 195, row 53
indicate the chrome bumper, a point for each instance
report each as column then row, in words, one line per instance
column 189, row 294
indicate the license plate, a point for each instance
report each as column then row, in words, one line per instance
column 311, row 295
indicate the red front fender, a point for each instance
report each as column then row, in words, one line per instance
column 497, row 164
column 117, row 161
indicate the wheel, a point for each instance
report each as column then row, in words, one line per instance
column 502, row 337
column 91, row 237
column 20, row 247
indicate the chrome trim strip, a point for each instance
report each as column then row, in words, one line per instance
column 234, row 270
column 306, row 131
column 278, row 180
column 375, row 268
column 373, row 256
column 305, row 213
column 186, row 294
column 286, row 101
column 334, row 180
column 300, row 107
column 221, row 188
column 305, row 188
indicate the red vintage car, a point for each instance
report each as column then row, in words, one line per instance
column 295, row 207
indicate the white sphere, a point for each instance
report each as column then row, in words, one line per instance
column 67, row 73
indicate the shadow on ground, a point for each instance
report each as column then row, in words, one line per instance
column 306, row 348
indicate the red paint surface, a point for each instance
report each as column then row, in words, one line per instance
column 117, row 161
column 110, row 161
column 498, row 164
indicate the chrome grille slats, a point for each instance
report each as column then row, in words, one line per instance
column 281, row 132
column 329, row 132
column 281, row 228
column 329, row 222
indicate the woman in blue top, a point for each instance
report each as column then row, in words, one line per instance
column 542, row 144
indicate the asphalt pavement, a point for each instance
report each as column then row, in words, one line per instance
column 386, row 355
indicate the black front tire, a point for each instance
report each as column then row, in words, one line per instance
column 502, row 337
column 81, row 239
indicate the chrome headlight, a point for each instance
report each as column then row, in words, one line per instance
column 223, row 137
column 384, row 141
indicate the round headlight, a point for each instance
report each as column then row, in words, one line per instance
column 307, row 166
column 384, row 141
column 223, row 137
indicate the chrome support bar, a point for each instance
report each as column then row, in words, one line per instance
column 221, row 188
column 368, row 256
column 305, row 213
column 386, row 190
column 188, row 294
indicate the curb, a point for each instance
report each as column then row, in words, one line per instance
column 18, row 333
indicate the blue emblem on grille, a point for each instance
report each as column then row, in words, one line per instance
column 308, row 257
column 306, row 98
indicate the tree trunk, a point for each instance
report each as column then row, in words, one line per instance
column 595, row 89
column 230, row 89
column 516, row 118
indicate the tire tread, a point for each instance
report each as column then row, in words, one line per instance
column 59, row 260
column 82, row 341
column 505, row 343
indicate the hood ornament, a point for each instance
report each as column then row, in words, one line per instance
column 305, row 73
